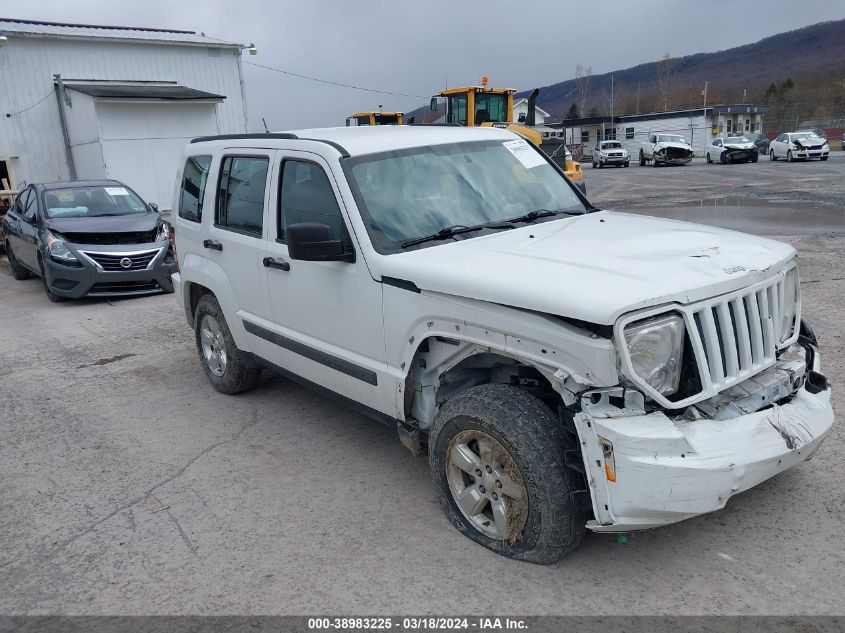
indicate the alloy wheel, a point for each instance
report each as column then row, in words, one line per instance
column 213, row 345
column 486, row 485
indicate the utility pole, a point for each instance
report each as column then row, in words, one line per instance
column 705, row 97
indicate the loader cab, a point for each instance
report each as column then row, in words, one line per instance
column 376, row 118
column 475, row 105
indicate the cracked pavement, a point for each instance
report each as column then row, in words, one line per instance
column 129, row 486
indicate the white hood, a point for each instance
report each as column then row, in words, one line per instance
column 661, row 144
column 593, row 267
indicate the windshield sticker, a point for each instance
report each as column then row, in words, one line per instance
column 117, row 191
column 524, row 153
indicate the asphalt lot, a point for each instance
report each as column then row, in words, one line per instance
column 129, row 486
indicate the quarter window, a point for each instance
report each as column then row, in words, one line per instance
column 193, row 187
column 307, row 196
column 629, row 133
column 240, row 197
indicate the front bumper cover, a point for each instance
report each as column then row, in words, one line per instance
column 74, row 282
column 668, row 470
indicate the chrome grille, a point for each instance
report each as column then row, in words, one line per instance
column 741, row 333
column 114, row 262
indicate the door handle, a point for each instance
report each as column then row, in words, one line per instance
column 280, row 264
column 213, row 245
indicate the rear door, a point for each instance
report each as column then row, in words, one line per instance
column 236, row 237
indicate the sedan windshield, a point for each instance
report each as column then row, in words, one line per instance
column 86, row 202
column 439, row 190
column 611, row 145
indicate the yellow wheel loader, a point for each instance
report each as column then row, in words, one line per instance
column 493, row 107
column 376, row 118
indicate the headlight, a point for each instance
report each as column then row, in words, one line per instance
column 656, row 348
column 163, row 232
column 790, row 304
column 59, row 251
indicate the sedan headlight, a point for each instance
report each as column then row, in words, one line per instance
column 59, row 251
column 163, row 232
column 656, row 348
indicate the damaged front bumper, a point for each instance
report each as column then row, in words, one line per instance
column 648, row 470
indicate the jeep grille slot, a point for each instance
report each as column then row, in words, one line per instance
column 740, row 335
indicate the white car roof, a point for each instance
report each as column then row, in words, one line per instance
column 360, row 140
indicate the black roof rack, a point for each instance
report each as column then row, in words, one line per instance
column 270, row 135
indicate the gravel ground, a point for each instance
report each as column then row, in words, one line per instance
column 128, row 485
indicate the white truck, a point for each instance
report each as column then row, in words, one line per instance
column 565, row 368
column 665, row 149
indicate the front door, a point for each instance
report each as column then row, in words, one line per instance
column 328, row 321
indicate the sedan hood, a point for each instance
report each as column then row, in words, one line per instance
column 593, row 267
column 131, row 223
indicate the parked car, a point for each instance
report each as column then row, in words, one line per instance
column 731, row 149
column 610, row 153
column 761, row 142
column 565, row 368
column 666, row 149
column 798, row 145
column 88, row 238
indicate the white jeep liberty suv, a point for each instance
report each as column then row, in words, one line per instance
column 565, row 368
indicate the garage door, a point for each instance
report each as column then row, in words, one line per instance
column 143, row 142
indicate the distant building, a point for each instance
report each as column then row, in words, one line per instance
column 117, row 102
column 520, row 111
column 698, row 125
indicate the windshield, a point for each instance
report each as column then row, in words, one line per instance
column 612, row 145
column 490, row 107
column 86, row 202
column 737, row 139
column 671, row 138
column 801, row 135
column 408, row 194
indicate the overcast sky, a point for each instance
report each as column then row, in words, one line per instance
column 379, row 44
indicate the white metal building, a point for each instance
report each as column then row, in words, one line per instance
column 84, row 101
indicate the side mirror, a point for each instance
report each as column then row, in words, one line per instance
column 153, row 207
column 348, row 121
column 312, row 242
column 433, row 104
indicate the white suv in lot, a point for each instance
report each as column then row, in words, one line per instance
column 565, row 368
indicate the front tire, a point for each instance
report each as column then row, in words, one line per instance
column 823, row 158
column 19, row 271
column 709, row 160
column 642, row 159
column 52, row 296
column 496, row 455
column 789, row 157
column 225, row 366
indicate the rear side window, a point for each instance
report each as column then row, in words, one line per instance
column 307, row 196
column 240, row 197
column 193, row 187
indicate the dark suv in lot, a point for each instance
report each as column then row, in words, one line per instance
column 89, row 238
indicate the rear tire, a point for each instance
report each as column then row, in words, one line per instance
column 772, row 155
column 709, row 160
column 19, row 272
column 226, row 367
column 499, row 450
